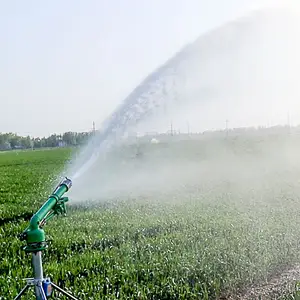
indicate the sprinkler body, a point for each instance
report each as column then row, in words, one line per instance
column 34, row 234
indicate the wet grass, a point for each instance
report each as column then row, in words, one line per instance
column 199, row 242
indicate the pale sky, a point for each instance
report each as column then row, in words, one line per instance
column 65, row 64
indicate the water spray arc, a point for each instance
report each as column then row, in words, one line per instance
column 35, row 238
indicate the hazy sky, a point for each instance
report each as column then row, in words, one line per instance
column 65, row 64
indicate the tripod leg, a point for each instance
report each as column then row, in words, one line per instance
column 63, row 292
column 42, row 293
column 22, row 292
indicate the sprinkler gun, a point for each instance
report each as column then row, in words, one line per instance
column 34, row 236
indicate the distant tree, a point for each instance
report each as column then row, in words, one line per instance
column 69, row 138
column 52, row 141
column 26, row 142
column 3, row 141
column 15, row 141
column 36, row 143
column 5, row 146
column 43, row 142
column 82, row 138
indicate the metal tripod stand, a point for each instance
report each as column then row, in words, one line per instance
column 43, row 287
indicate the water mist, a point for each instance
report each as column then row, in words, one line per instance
column 244, row 73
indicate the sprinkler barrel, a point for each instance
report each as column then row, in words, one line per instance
column 55, row 205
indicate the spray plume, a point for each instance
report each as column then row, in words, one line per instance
column 247, row 72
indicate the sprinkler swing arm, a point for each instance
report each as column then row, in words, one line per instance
column 34, row 236
column 58, row 209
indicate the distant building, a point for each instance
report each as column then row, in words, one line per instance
column 62, row 144
column 5, row 146
column 154, row 141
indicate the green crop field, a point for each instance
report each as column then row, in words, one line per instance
column 209, row 239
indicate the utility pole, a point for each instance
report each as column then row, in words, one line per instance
column 289, row 122
column 94, row 128
column 171, row 127
column 188, row 128
column 227, row 128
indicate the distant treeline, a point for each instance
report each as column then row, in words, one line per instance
column 11, row 141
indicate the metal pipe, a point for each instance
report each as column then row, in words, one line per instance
column 38, row 274
column 23, row 291
column 63, row 292
column 61, row 189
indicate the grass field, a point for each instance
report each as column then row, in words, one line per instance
column 227, row 230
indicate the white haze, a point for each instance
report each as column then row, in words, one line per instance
column 246, row 72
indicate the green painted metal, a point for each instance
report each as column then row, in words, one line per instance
column 55, row 205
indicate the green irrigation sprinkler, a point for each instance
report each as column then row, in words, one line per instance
column 34, row 236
